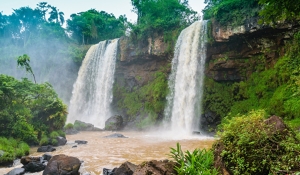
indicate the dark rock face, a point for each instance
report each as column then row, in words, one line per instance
column 16, row 171
column 114, row 123
column 61, row 141
column 80, row 142
column 115, row 135
column 235, row 51
column 47, row 148
column 156, row 167
column 62, row 165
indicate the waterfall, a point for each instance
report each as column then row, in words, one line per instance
column 186, row 79
column 92, row 91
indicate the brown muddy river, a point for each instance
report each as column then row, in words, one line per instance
column 101, row 152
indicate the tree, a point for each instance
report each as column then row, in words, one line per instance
column 93, row 26
column 161, row 15
column 23, row 61
column 279, row 10
column 56, row 15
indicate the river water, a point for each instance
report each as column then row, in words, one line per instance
column 101, row 152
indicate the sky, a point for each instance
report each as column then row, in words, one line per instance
column 117, row 7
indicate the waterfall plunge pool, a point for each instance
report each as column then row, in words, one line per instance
column 101, row 152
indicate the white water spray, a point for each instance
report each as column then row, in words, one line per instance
column 186, row 80
column 92, row 91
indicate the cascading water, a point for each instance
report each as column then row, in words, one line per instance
column 186, row 79
column 92, row 91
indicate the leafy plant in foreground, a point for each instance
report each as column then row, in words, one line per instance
column 196, row 162
column 251, row 146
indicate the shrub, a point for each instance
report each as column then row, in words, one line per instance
column 69, row 126
column 12, row 149
column 196, row 162
column 251, row 146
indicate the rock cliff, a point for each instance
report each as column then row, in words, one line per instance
column 235, row 52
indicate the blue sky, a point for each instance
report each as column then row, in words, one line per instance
column 117, row 7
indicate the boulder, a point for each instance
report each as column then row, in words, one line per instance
column 34, row 167
column 27, row 159
column 47, row 148
column 62, row 165
column 114, row 123
column 82, row 126
column 115, row 135
column 61, row 141
column 164, row 167
column 71, row 131
column 16, row 171
column 108, row 171
column 80, row 142
column 46, row 157
column 126, row 168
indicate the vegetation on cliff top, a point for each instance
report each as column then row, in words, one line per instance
column 237, row 12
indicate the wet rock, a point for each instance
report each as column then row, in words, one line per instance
column 62, row 165
column 48, row 148
column 115, row 135
column 46, row 157
column 165, row 167
column 16, row 171
column 80, row 142
column 61, row 141
column 71, row 131
column 27, row 159
column 34, row 167
column 108, row 171
column 126, row 168
column 114, row 123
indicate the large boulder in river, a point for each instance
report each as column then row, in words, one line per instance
column 82, row 126
column 62, row 165
column 115, row 135
column 61, row 141
column 34, row 167
column 114, row 123
column 48, row 148
column 164, row 167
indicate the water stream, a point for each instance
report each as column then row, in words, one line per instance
column 92, row 91
column 185, row 82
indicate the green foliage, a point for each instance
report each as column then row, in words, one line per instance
column 12, row 149
column 92, row 26
column 148, row 100
column 249, row 146
column 198, row 162
column 275, row 11
column 27, row 109
column 23, row 61
column 230, row 12
column 276, row 90
column 69, row 126
column 160, row 16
